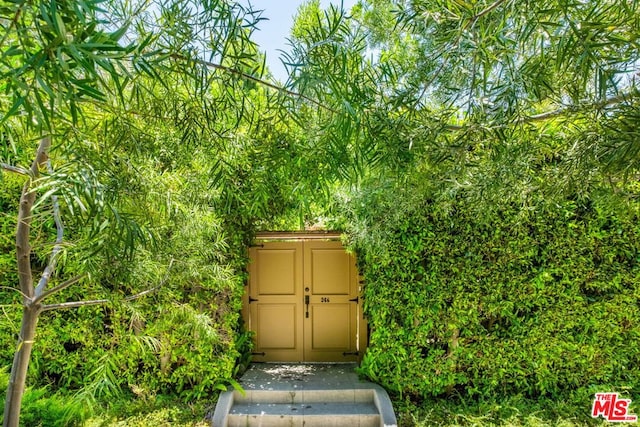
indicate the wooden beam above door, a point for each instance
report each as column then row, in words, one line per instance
column 297, row 235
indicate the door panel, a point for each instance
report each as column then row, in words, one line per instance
column 330, row 269
column 276, row 272
column 330, row 329
column 330, row 275
column 280, row 318
column 275, row 301
column 302, row 302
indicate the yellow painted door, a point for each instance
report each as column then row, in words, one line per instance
column 303, row 302
column 330, row 280
column 275, row 301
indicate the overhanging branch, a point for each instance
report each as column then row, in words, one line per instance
column 570, row 109
column 486, row 11
column 445, row 62
column 14, row 169
column 576, row 108
column 76, row 304
column 154, row 289
column 254, row 79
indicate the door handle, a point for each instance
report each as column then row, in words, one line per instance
column 306, row 301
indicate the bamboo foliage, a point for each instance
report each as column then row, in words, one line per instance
column 83, row 74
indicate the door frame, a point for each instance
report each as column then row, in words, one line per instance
column 299, row 236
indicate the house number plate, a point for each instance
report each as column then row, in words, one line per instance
column 324, row 299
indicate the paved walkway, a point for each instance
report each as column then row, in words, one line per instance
column 272, row 376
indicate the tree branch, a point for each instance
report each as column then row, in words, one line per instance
column 564, row 110
column 15, row 169
column 14, row 289
column 574, row 108
column 13, row 22
column 486, row 11
column 254, row 79
column 456, row 42
column 58, row 288
column 74, row 304
column 141, row 294
column 149, row 291
column 57, row 247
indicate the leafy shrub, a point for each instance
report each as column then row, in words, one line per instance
column 40, row 407
column 512, row 411
column 538, row 298
column 162, row 410
column 183, row 338
column 10, row 188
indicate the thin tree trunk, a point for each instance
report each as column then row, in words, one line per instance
column 32, row 295
column 20, row 366
column 17, row 381
column 453, row 345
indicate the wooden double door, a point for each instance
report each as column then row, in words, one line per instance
column 303, row 302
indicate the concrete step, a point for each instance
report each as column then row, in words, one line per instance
column 306, row 395
column 305, row 414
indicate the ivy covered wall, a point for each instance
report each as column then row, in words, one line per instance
column 537, row 298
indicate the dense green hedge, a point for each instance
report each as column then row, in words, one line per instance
column 539, row 299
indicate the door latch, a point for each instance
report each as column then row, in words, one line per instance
column 306, row 301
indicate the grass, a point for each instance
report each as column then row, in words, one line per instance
column 513, row 412
column 161, row 411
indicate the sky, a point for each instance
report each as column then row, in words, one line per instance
column 272, row 33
